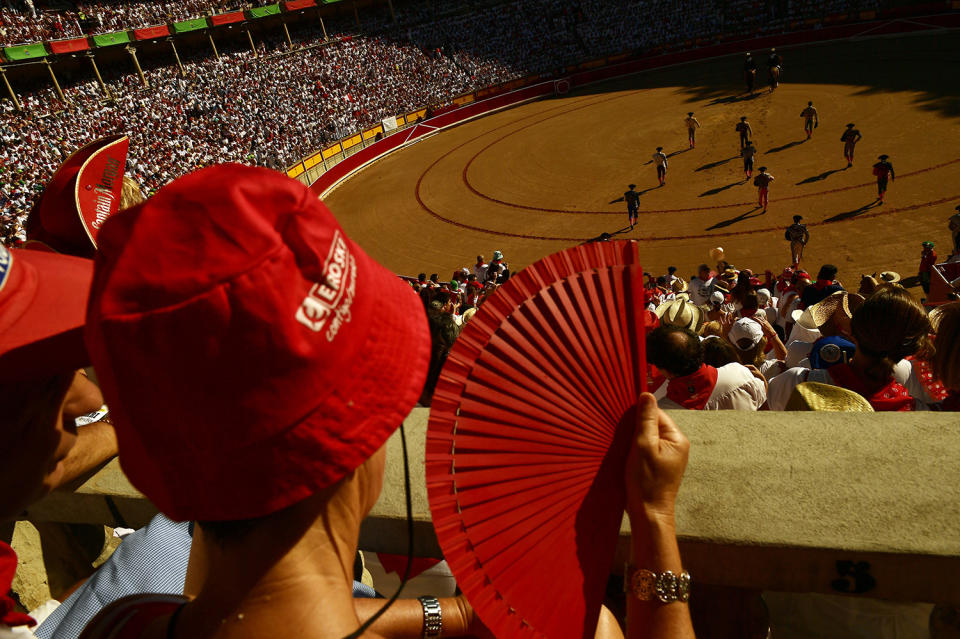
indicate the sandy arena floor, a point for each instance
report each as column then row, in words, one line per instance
column 545, row 175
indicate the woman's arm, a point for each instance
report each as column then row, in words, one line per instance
column 655, row 466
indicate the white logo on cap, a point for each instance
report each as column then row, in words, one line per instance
column 6, row 261
column 330, row 301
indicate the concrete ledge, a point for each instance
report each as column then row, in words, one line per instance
column 865, row 503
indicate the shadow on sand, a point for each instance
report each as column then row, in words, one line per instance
column 854, row 213
column 732, row 99
column 788, row 145
column 721, row 189
column 822, row 176
column 740, row 218
column 713, row 165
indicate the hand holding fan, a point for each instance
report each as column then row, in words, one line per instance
column 528, row 435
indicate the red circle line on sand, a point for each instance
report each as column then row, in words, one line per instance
column 466, row 180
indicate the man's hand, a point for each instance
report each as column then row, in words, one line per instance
column 656, row 462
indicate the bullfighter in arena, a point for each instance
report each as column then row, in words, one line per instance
column 748, row 152
column 798, row 236
column 810, row 119
column 749, row 72
column 850, row 138
column 660, row 159
column 743, row 128
column 632, row 198
column 884, row 171
column 692, row 125
column 774, row 68
column 762, row 182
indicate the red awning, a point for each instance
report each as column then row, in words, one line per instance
column 293, row 5
column 227, row 18
column 151, row 32
column 69, row 46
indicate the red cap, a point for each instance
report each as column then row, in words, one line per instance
column 755, row 281
column 79, row 198
column 43, row 300
column 243, row 344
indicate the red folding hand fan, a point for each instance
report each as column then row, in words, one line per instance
column 527, row 440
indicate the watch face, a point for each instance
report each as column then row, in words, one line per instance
column 667, row 587
column 643, row 585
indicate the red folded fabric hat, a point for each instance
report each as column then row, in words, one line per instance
column 243, row 344
column 43, row 301
column 80, row 197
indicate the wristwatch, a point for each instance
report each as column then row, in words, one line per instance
column 665, row 586
column 432, row 617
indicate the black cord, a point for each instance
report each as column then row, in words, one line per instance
column 406, row 573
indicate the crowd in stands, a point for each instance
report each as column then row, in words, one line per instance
column 275, row 109
column 748, row 342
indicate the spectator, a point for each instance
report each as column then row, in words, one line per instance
column 889, row 326
column 825, row 285
column 692, row 384
column 261, row 514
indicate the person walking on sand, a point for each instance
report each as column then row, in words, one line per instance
column 692, row 125
column 850, row 138
column 632, row 198
column 798, row 236
column 884, row 171
column 762, row 182
column 743, row 128
column 660, row 160
column 810, row 119
column 748, row 153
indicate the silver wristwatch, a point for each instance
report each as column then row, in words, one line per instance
column 665, row 586
column 432, row 617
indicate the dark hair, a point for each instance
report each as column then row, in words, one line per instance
column 827, row 272
column 797, row 218
column 887, row 327
column 674, row 349
column 434, row 277
column 718, row 352
column 751, row 301
column 421, row 277
column 671, row 269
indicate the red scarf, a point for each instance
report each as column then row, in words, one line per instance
column 822, row 284
column 892, row 397
column 693, row 391
column 8, row 613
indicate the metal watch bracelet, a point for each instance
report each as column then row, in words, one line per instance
column 665, row 586
column 432, row 617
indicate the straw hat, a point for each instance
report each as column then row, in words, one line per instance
column 679, row 285
column 813, row 317
column 680, row 313
column 826, row 397
column 890, row 277
column 716, row 254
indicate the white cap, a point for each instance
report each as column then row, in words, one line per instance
column 745, row 328
column 716, row 297
column 763, row 295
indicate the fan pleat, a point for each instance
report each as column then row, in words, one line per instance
column 524, row 456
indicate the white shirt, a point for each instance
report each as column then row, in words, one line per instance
column 736, row 389
column 700, row 290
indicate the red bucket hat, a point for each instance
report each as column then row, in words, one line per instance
column 80, row 197
column 43, row 301
column 250, row 352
